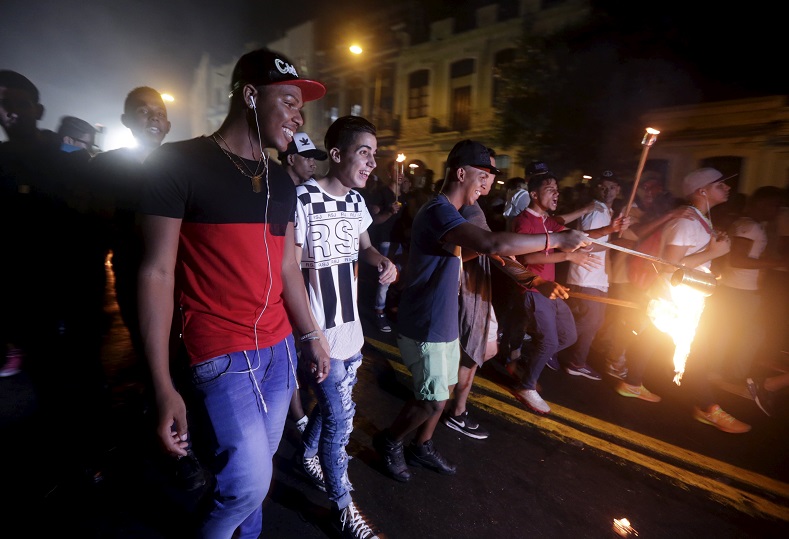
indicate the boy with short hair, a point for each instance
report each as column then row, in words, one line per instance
column 551, row 324
column 428, row 339
column 331, row 234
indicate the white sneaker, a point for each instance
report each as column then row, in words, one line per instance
column 532, row 399
column 352, row 524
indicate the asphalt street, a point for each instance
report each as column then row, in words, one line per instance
column 596, row 458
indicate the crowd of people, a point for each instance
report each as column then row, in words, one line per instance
column 237, row 279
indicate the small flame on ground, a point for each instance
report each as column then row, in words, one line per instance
column 679, row 318
column 623, row 528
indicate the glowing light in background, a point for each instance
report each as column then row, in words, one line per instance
column 117, row 136
column 355, row 49
column 168, row 98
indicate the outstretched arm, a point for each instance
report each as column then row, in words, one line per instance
column 482, row 241
column 573, row 215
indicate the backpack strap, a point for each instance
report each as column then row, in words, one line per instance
column 703, row 221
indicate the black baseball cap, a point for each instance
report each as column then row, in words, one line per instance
column 264, row 66
column 536, row 168
column 607, row 176
column 303, row 145
column 71, row 126
column 469, row 153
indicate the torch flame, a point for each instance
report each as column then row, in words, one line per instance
column 400, row 157
column 679, row 318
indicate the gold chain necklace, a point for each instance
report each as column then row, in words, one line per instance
column 256, row 177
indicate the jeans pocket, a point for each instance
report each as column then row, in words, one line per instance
column 210, row 371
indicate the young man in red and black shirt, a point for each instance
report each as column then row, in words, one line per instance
column 218, row 230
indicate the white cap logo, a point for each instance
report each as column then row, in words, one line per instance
column 285, row 68
column 303, row 142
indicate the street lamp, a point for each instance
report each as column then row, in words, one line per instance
column 357, row 50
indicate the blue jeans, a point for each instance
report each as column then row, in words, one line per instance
column 589, row 317
column 330, row 426
column 245, row 396
column 552, row 329
column 390, row 250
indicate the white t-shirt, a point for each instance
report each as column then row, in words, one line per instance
column 328, row 229
column 688, row 233
column 515, row 204
column 599, row 217
column 742, row 278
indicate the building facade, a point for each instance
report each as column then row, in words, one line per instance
column 427, row 84
column 748, row 138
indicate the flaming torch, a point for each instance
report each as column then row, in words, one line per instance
column 677, row 308
column 677, row 313
column 650, row 137
column 399, row 172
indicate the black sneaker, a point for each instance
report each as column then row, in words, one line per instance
column 383, row 323
column 312, row 469
column 189, row 474
column 392, row 455
column 464, row 424
column 351, row 523
column 427, row 455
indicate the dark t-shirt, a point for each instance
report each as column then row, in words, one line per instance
column 383, row 197
column 429, row 303
column 228, row 272
column 53, row 271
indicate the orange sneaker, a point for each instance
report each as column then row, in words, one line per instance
column 638, row 392
column 720, row 420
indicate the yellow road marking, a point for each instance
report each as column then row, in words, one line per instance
column 744, row 501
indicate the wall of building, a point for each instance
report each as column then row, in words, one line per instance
column 747, row 137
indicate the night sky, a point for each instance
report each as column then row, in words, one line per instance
column 86, row 55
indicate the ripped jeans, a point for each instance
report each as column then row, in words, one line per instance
column 330, row 425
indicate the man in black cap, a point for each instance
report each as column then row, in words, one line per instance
column 428, row 338
column 77, row 134
column 299, row 162
column 299, row 159
column 217, row 223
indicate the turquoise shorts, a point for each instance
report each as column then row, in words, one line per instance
column 433, row 366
